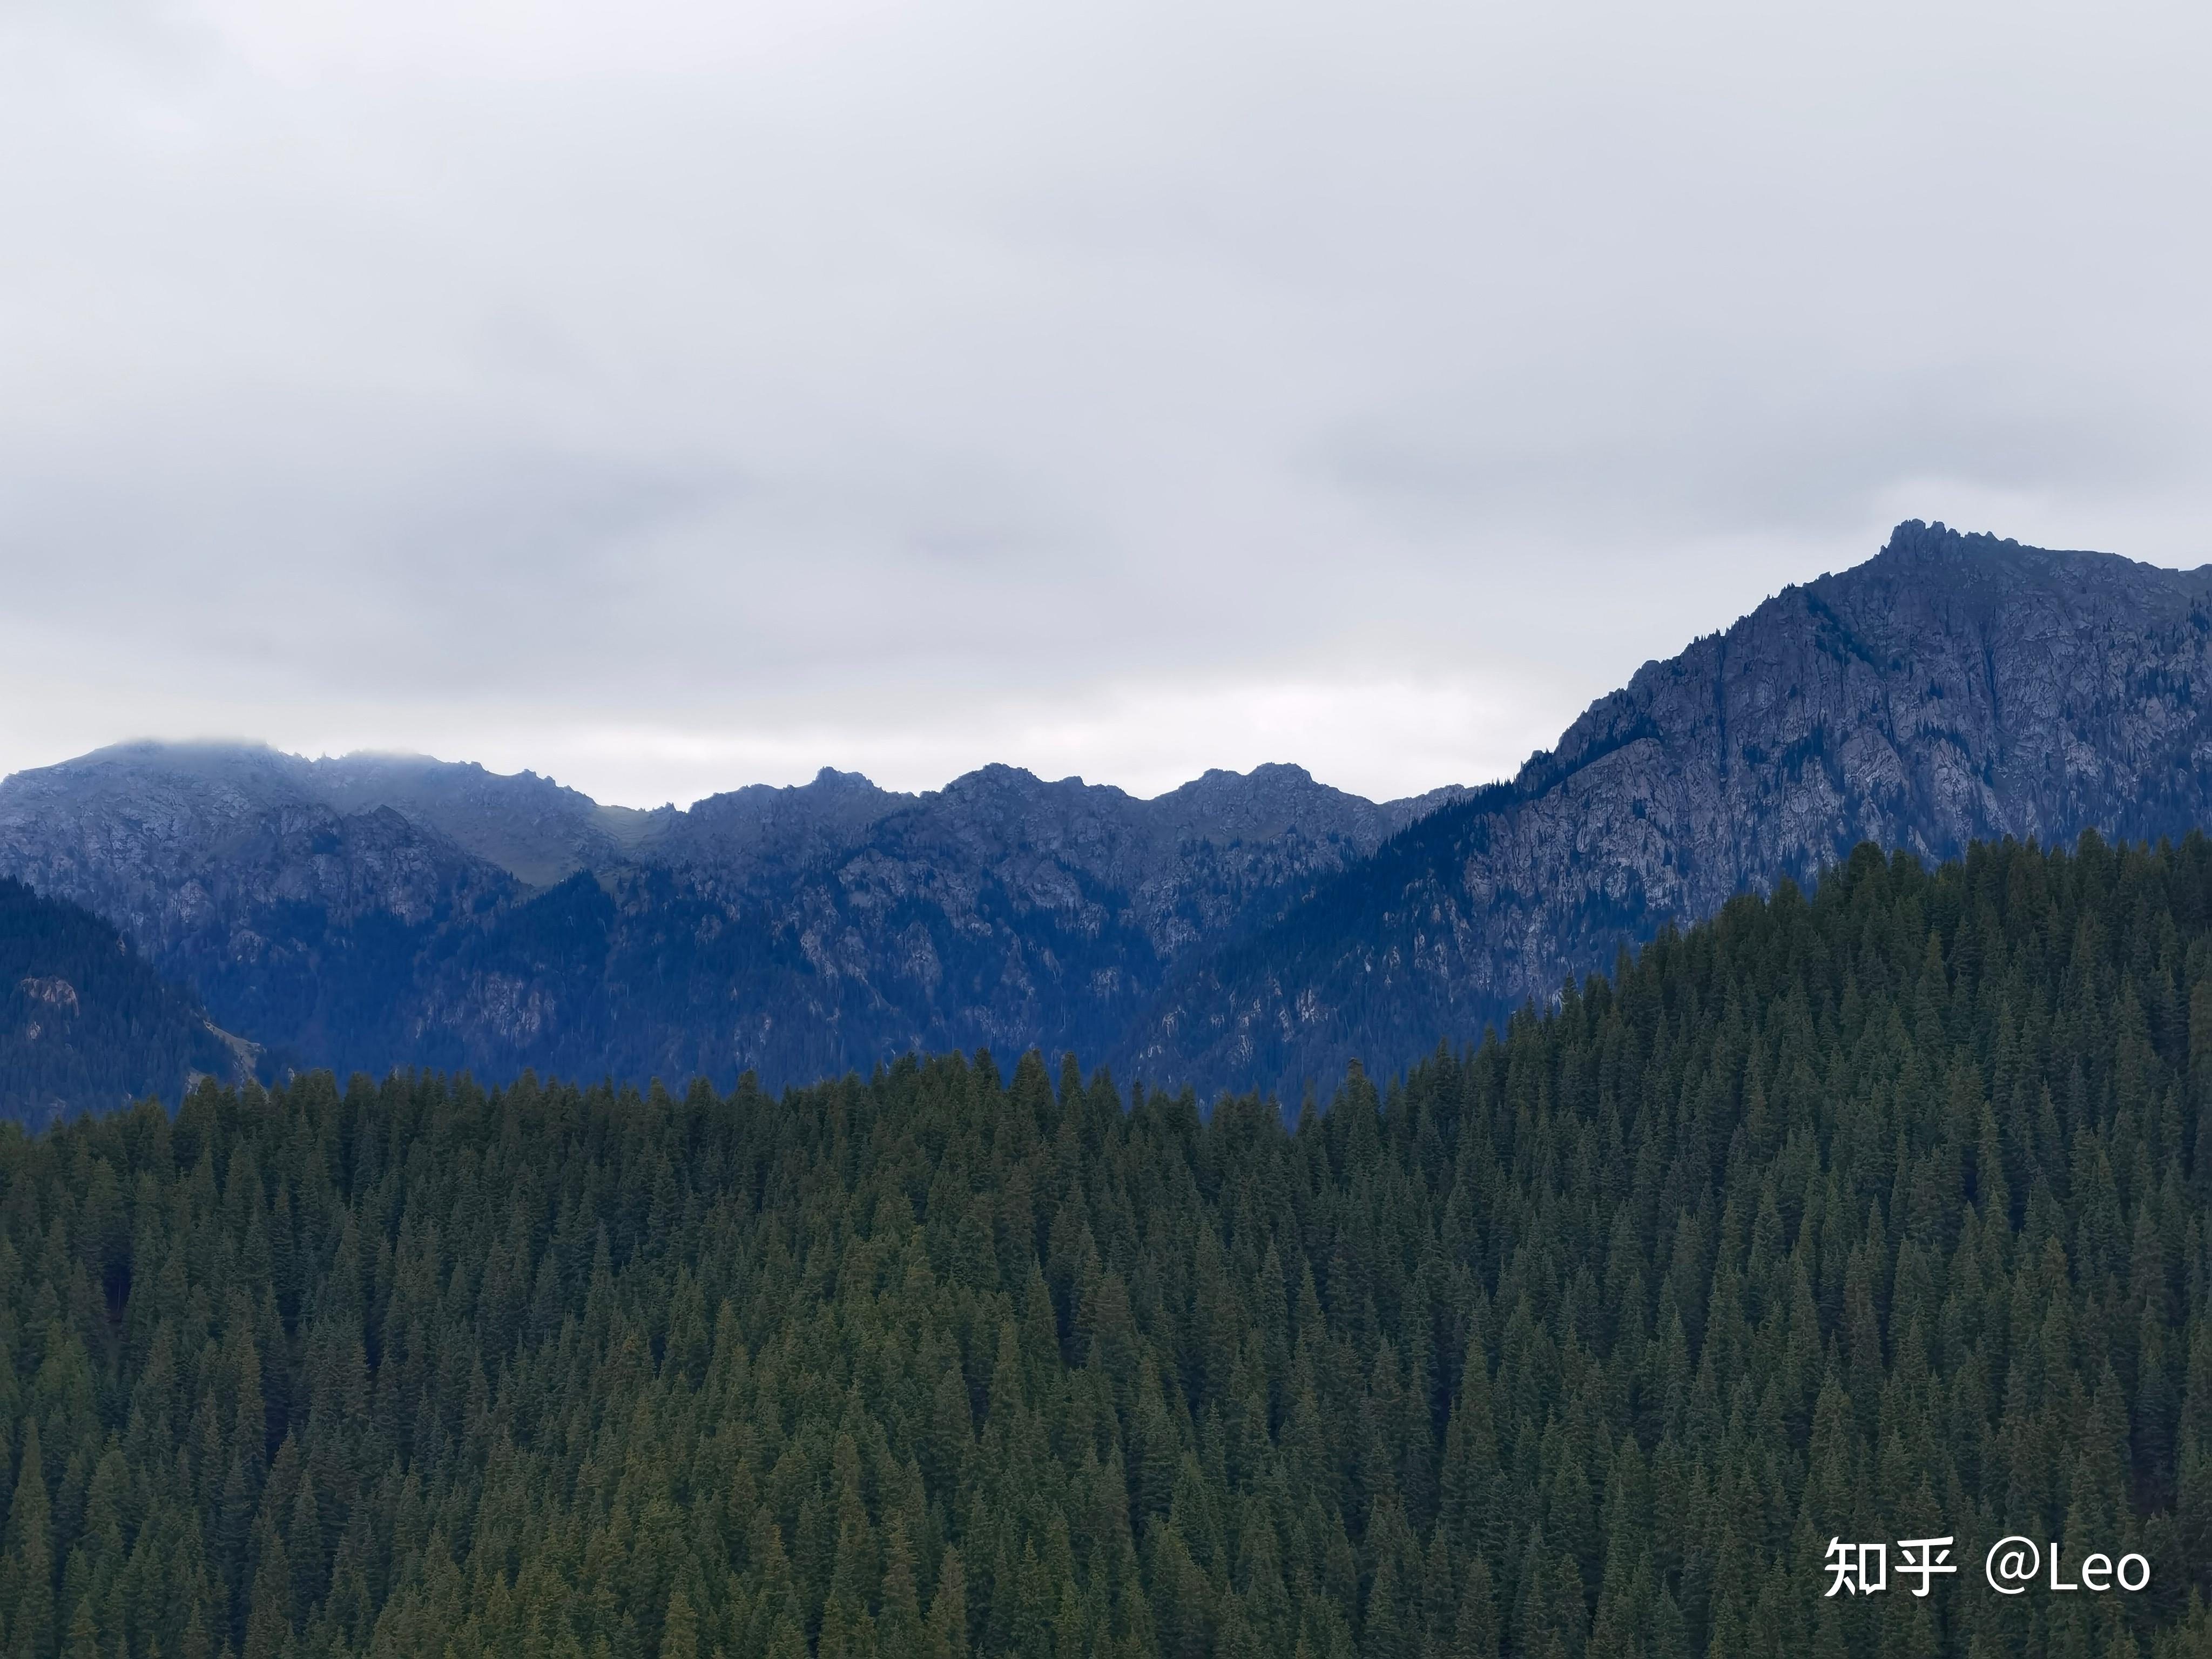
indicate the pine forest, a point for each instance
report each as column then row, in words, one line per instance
column 1871, row 1213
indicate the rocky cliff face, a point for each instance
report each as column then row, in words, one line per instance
column 1953, row 687
column 1256, row 929
column 85, row 1022
column 292, row 917
column 375, row 910
column 1176, row 869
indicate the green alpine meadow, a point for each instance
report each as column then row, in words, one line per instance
column 1867, row 1216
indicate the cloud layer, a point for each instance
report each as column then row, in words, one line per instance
column 671, row 396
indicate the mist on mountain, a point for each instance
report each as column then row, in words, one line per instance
column 1252, row 930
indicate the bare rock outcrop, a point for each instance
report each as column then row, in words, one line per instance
column 1955, row 687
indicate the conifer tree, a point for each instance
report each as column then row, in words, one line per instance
column 1866, row 1213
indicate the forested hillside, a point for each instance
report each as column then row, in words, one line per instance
column 86, row 1023
column 1874, row 1214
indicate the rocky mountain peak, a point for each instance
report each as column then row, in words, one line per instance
column 1259, row 926
column 1952, row 687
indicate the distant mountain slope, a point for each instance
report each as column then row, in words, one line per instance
column 531, row 827
column 373, row 911
column 84, row 1022
column 299, row 924
column 1253, row 929
column 1953, row 687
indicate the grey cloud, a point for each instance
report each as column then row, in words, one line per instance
column 908, row 380
column 1705, row 447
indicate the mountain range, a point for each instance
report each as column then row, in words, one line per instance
column 367, row 911
column 1245, row 931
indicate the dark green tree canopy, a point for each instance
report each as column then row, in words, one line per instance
column 1873, row 1214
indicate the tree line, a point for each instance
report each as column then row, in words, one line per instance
column 1870, row 1213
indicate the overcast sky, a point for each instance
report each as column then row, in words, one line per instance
column 669, row 395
